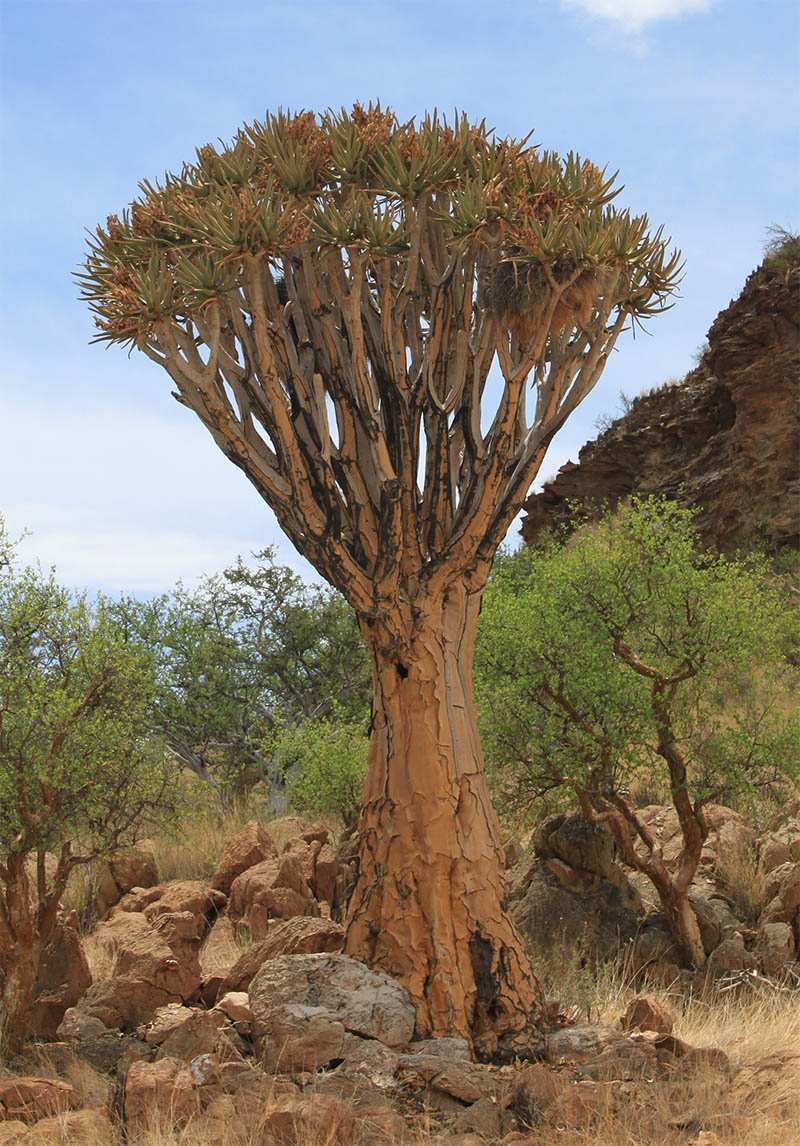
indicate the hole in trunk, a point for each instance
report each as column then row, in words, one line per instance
column 402, row 670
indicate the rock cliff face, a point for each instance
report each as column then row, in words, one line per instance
column 724, row 440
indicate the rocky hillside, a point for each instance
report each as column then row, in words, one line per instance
column 725, row 439
column 224, row 1013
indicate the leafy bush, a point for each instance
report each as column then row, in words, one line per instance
column 782, row 248
column 79, row 774
column 326, row 763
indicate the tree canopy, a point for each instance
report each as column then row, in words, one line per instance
column 352, row 278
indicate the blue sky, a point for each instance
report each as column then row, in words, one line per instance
column 694, row 101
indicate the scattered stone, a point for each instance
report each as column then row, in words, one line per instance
column 62, row 979
column 273, row 889
column 29, row 1099
column 646, row 1013
column 302, row 1004
column 250, row 846
column 303, row 935
column 160, row 1094
column 466, row 1081
column 775, row 947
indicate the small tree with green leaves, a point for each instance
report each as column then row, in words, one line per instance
column 79, row 776
column 329, row 295
column 628, row 650
column 249, row 653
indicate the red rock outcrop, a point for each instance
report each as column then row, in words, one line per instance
column 725, row 440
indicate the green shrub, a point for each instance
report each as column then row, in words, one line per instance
column 326, row 762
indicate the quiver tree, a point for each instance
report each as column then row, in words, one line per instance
column 329, row 294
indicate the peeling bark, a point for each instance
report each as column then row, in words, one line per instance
column 21, row 948
column 429, row 904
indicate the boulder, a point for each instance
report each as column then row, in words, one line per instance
column 466, row 1081
column 775, row 947
column 303, row 1004
column 593, row 917
column 731, row 955
column 302, row 935
column 92, row 1041
column 273, row 889
column 29, row 1099
column 63, row 978
column 782, row 895
column 251, row 845
column 160, row 1094
column 646, row 1013
column 154, row 966
column 125, row 869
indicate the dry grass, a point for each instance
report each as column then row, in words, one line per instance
column 744, row 880
column 102, row 961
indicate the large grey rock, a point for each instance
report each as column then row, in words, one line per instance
column 594, row 918
column 581, row 1043
column 303, row 1004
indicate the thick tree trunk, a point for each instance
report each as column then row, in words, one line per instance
column 428, row 907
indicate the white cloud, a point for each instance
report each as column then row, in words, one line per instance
column 636, row 15
column 90, row 551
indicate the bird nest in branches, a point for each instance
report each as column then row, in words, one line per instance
column 520, row 294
